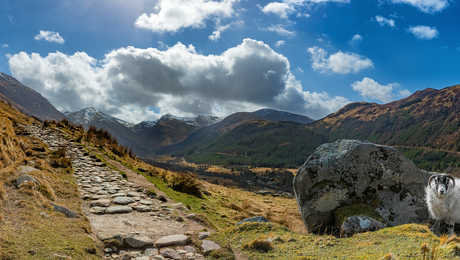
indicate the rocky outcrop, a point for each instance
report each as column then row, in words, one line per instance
column 348, row 173
column 359, row 224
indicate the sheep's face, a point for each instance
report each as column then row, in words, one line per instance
column 442, row 185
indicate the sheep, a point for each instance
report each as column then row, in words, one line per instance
column 443, row 201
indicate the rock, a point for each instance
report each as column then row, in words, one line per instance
column 162, row 198
column 67, row 212
column 97, row 210
column 170, row 253
column 25, row 179
column 151, row 252
column 172, row 240
column 359, row 224
column 349, row 173
column 146, row 202
column 123, row 200
column 100, row 203
column 259, row 219
column 203, row 235
column 138, row 241
column 25, row 169
column 207, row 246
column 190, row 249
column 118, row 209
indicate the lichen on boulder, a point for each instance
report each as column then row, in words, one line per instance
column 352, row 172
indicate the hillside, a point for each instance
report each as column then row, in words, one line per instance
column 34, row 181
column 26, row 99
column 428, row 119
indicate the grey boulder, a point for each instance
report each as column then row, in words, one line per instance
column 172, row 240
column 350, row 173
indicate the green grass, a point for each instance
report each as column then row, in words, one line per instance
column 402, row 241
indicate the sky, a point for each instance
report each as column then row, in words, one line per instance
column 140, row 59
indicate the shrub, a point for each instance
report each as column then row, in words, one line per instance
column 183, row 182
column 261, row 245
column 223, row 253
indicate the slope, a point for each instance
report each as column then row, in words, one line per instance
column 26, row 99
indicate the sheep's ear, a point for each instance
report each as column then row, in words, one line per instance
column 453, row 180
column 430, row 180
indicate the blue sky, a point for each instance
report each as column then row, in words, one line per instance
column 222, row 56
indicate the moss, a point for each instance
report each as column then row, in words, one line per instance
column 342, row 213
column 222, row 254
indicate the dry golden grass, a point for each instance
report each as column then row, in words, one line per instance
column 28, row 222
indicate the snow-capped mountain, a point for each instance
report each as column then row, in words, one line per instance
column 92, row 117
column 198, row 121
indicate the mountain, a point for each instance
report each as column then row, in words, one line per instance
column 118, row 128
column 264, row 137
column 275, row 115
column 147, row 137
column 26, row 99
column 425, row 126
column 427, row 118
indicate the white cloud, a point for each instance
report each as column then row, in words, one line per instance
column 287, row 7
column 5, row 45
column 129, row 81
column 49, row 36
column 383, row 21
column 356, row 40
column 222, row 28
column 371, row 89
column 173, row 15
column 424, row 32
column 427, row 6
column 339, row 62
column 278, row 8
column 280, row 29
column 280, row 43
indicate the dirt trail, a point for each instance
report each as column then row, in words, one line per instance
column 131, row 222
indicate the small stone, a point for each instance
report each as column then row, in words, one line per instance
column 158, row 257
column 359, row 224
column 142, row 208
column 258, row 219
column 190, row 249
column 67, row 212
column 122, row 200
column 208, row 246
column 170, row 253
column 138, row 241
column 25, row 179
column 172, row 240
column 190, row 256
column 100, row 203
column 203, row 235
column 97, row 210
column 133, row 194
column 146, row 202
column 118, row 209
column 151, row 252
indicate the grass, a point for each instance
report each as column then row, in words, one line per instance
column 29, row 227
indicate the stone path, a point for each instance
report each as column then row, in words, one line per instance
column 131, row 222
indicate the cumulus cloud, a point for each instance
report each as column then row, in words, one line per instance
column 280, row 29
column 427, row 6
column 424, row 32
column 280, row 43
column 287, row 7
column 371, row 89
column 49, row 36
column 383, row 21
column 339, row 62
column 173, row 15
column 132, row 83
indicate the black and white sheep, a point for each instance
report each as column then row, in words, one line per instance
column 443, row 201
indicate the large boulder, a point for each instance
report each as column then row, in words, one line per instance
column 350, row 177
